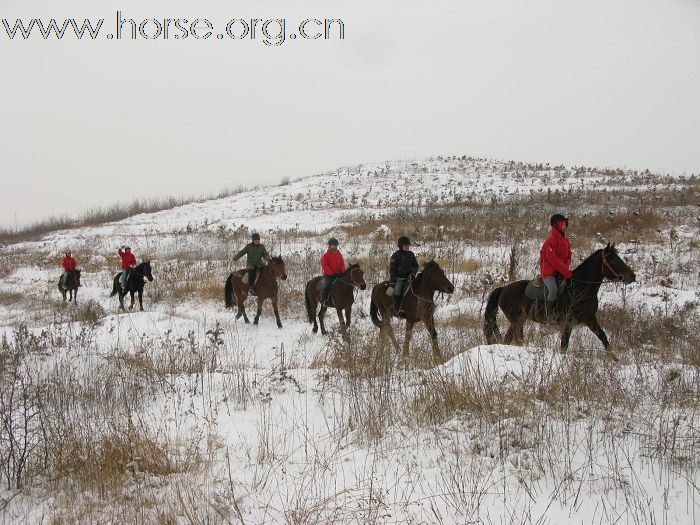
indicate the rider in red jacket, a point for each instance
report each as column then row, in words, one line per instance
column 69, row 264
column 333, row 265
column 128, row 262
column 555, row 255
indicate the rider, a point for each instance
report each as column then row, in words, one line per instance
column 69, row 264
column 128, row 262
column 255, row 252
column 555, row 256
column 333, row 265
column 403, row 265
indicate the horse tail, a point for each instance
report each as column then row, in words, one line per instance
column 374, row 314
column 491, row 331
column 228, row 292
column 115, row 287
column 310, row 310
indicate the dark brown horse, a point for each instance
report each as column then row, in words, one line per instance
column 340, row 297
column 134, row 284
column 577, row 304
column 418, row 304
column 266, row 287
column 70, row 284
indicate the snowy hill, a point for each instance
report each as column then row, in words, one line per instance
column 181, row 414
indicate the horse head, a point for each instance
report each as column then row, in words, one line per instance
column 278, row 268
column 614, row 268
column 147, row 271
column 357, row 276
column 437, row 278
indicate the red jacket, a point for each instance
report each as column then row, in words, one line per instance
column 69, row 263
column 555, row 255
column 128, row 259
column 332, row 263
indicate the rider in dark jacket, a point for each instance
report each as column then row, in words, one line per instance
column 403, row 265
column 255, row 253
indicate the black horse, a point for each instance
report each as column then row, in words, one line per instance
column 134, row 283
column 577, row 304
column 70, row 284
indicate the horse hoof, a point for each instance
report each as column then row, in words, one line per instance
column 255, row 321
column 279, row 326
column 315, row 329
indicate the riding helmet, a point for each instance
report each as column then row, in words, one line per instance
column 333, row 241
column 404, row 240
column 256, row 237
column 554, row 219
column 127, row 248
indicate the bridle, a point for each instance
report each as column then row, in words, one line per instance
column 351, row 282
column 606, row 264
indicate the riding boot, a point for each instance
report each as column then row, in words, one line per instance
column 251, row 282
column 549, row 312
column 397, row 306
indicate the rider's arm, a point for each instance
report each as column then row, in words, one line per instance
column 241, row 253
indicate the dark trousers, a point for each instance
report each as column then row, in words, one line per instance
column 330, row 279
column 252, row 273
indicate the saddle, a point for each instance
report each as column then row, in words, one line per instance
column 244, row 276
column 537, row 291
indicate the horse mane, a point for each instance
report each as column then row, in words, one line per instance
column 277, row 259
column 587, row 260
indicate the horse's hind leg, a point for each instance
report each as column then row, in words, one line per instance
column 240, row 301
column 277, row 313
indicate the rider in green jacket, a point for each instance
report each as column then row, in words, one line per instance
column 255, row 252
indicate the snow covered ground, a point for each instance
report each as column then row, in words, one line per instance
column 180, row 414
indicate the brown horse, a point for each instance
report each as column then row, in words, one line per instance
column 266, row 287
column 577, row 304
column 340, row 297
column 418, row 304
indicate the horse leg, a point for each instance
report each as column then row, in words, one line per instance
column 430, row 326
column 131, row 306
column 259, row 311
column 387, row 329
column 141, row 300
column 277, row 313
column 241, row 309
column 348, row 313
column 64, row 295
column 322, row 317
column 407, row 339
column 565, row 334
column 599, row 332
column 75, row 297
column 121, row 301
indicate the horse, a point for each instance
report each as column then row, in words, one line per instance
column 134, row 283
column 418, row 305
column 577, row 303
column 266, row 287
column 340, row 297
column 70, row 284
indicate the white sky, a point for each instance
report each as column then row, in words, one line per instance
column 594, row 82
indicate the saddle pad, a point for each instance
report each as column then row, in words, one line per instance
column 535, row 289
column 320, row 285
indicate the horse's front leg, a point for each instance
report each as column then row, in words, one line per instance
column 141, row 300
column 75, row 297
column 277, row 313
column 240, row 301
column 430, row 326
column 595, row 327
column 407, row 339
column 348, row 313
column 131, row 306
column 121, row 301
column 259, row 310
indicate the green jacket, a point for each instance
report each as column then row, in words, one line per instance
column 255, row 255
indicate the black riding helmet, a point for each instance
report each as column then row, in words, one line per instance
column 255, row 237
column 404, row 240
column 333, row 241
column 554, row 219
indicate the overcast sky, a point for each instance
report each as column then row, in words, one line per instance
column 594, row 82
